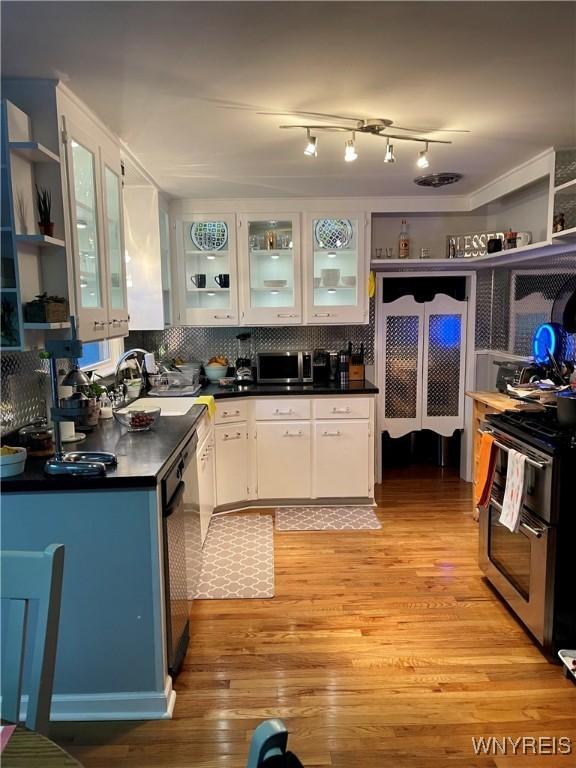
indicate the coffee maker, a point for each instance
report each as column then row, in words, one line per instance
column 321, row 366
column 244, row 373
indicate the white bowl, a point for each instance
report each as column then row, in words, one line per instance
column 13, row 463
column 275, row 283
column 330, row 277
column 215, row 372
column 349, row 281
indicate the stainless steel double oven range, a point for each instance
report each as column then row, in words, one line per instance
column 534, row 569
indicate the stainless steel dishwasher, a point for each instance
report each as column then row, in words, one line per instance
column 182, row 550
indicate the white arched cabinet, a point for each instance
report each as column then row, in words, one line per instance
column 423, row 357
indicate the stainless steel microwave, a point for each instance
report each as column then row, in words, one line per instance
column 284, row 367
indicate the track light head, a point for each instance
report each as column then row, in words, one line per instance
column 311, row 149
column 423, row 161
column 389, row 157
column 350, row 153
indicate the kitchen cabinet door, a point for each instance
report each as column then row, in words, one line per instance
column 113, row 232
column 341, row 459
column 206, row 467
column 231, row 442
column 336, row 269
column 208, row 269
column 88, row 239
column 283, row 460
column 270, row 275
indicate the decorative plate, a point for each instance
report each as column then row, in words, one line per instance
column 209, row 235
column 333, row 233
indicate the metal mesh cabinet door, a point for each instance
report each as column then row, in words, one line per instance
column 401, row 373
column 444, row 365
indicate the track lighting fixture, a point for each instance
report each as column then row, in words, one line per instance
column 311, row 147
column 389, row 157
column 423, row 161
column 350, row 153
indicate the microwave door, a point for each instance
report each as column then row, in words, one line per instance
column 278, row 368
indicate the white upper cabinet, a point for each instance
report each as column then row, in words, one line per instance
column 208, row 272
column 270, row 273
column 111, row 176
column 336, row 269
column 87, row 232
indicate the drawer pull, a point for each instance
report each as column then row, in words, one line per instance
column 284, row 412
column 235, row 436
column 222, row 317
column 293, row 434
column 285, row 314
column 323, row 314
column 341, row 410
column 99, row 324
column 337, row 433
column 230, row 413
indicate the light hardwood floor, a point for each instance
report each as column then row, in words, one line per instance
column 381, row 648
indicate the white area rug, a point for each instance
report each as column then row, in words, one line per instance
column 326, row 519
column 238, row 558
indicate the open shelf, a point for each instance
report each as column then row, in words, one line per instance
column 42, row 241
column 566, row 188
column 45, row 326
column 513, row 256
column 565, row 234
column 33, row 151
column 207, row 290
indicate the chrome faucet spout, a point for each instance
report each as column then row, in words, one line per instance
column 128, row 354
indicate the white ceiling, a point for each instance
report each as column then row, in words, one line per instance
column 182, row 82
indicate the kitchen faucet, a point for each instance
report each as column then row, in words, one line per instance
column 128, row 354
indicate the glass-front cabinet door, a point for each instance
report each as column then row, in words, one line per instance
column 114, row 240
column 85, row 207
column 209, row 279
column 336, row 270
column 270, row 269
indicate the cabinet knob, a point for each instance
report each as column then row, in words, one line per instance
column 99, row 324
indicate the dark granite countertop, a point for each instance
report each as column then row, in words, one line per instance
column 264, row 390
column 143, row 457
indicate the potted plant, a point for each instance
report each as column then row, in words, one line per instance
column 44, row 206
column 46, row 309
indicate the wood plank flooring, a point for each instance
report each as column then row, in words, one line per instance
column 381, row 648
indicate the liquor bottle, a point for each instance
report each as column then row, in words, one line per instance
column 404, row 242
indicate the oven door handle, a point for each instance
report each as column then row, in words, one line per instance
column 537, row 464
column 529, row 529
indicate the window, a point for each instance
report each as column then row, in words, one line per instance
column 101, row 355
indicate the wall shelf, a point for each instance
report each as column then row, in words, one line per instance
column 42, row 241
column 45, row 326
column 531, row 252
column 33, row 151
column 565, row 234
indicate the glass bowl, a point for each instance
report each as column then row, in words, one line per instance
column 137, row 419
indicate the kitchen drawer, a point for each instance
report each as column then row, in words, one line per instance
column 231, row 411
column 274, row 409
column 342, row 408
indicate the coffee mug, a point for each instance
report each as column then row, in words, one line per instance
column 523, row 238
column 223, row 280
column 494, row 245
column 199, row 281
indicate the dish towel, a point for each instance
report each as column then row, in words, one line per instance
column 514, row 491
column 486, row 461
column 209, row 402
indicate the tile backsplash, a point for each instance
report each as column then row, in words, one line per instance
column 203, row 343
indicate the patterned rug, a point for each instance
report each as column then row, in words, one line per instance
column 326, row 519
column 238, row 558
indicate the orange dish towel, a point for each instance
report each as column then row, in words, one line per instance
column 486, row 463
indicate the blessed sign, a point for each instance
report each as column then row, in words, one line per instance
column 472, row 244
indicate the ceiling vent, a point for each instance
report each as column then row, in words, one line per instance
column 437, row 180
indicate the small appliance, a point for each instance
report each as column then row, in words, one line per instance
column 321, row 366
column 294, row 367
column 515, row 373
column 244, row 373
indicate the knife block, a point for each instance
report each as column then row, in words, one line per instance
column 356, row 372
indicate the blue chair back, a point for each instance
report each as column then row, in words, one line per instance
column 27, row 577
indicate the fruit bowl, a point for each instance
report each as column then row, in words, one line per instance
column 137, row 419
column 12, row 461
column 215, row 372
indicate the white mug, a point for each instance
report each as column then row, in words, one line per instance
column 67, row 430
column 523, row 238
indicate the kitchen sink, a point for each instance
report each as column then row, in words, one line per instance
column 169, row 406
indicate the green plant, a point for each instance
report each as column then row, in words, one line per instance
column 44, row 205
column 43, row 298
